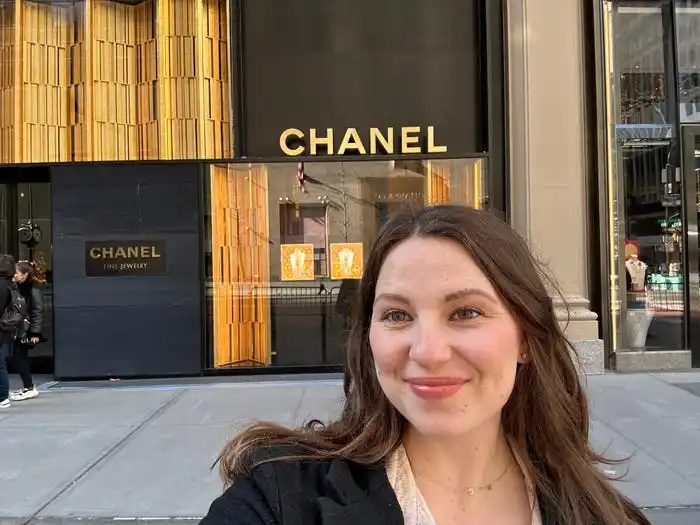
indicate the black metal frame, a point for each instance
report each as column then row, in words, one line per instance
column 494, row 41
column 598, row 289
column 691, row 259
column 202, row 204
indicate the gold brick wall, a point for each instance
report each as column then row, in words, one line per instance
column 100, row 80
column 44, row 81
column 7, row 76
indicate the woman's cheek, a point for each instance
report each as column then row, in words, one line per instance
column 385, row 350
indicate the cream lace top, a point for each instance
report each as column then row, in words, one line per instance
column 415, row 509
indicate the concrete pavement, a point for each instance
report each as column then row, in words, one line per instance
column 140, row 450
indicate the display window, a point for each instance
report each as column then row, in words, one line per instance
column 287, row 243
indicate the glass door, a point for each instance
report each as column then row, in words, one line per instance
column 691, row 174
column 644, row 187
column 26, row 233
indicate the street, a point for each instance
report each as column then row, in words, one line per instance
column 142, row 450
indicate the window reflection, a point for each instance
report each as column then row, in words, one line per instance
column 289, row 241
column 646, row 226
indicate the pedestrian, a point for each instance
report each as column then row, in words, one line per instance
column 463, row 402
column 26, row 280
column 7, row 333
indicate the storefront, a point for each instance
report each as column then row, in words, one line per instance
column 200, row 181
column 650, row 202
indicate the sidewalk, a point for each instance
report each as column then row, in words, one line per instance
column 126, row 450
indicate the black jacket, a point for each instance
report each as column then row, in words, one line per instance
column 315, row 492
column 35, row 307
column 5, row 300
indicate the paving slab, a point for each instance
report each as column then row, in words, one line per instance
column 674, row 442
column 51, row 441
column 165, row 471
column 647, row 481
column 234, row 404
column 180, row 446
column 323, row 403
column 36, row 466
column 84, row 409
column 688, row 376
column 693, row 388
column 613, row 397
column 686, row 516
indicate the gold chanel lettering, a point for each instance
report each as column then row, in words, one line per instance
column 125, row 252
column 326, row 141
column 352, row 141
column 285, row 136
column 412, row 140
column 409, row 136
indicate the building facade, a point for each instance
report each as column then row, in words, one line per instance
column 199, row 181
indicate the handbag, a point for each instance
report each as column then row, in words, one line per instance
column 22, row 333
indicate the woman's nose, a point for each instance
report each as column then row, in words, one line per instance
column 430, row 347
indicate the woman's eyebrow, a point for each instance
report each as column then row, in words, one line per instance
column 465, row 292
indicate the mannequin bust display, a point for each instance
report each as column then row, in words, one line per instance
column 638, row 315
column 638, row 271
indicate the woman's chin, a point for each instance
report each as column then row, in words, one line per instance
column 440, row 426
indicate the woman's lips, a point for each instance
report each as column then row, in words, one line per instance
column 435, row 387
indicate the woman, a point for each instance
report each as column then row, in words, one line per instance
column 7, row 271
column 25, row 278
column 463, row 402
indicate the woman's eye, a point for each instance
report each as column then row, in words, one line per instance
column 465, row 314
column 395, row 316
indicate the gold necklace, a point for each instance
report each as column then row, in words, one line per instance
column 473, row 490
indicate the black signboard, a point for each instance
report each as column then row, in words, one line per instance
column 360, row 77
column 119, row 258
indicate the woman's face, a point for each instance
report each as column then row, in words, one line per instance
column 445, row 346
column 20, row 277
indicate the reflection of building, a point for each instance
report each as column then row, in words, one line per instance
column 121, row 85
column 348, row 202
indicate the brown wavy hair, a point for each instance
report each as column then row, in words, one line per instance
column 34, row 274
column 546, row 416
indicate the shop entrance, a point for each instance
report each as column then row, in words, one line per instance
column 26, row 233
column 691, row 173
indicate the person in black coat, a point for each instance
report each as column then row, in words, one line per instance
column 7, row 272
column 25, row 278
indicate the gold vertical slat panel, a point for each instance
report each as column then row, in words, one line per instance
column 113, row 65
column 241, row 266
column 45, row 34
column 214, row 97
column 177, row 57
column 146, row 80
column 77, row 95
column 195, row 115
column 475, row 176
column 99, row 80
column 8, row 81
column 437, row 182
